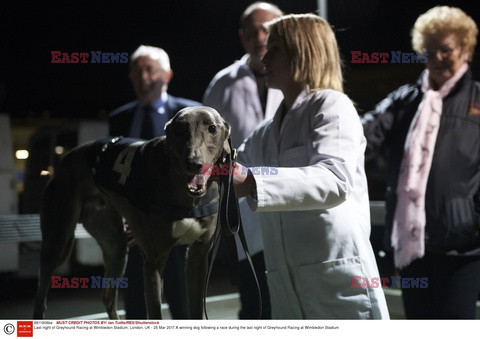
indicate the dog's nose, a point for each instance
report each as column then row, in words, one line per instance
column 193, row 166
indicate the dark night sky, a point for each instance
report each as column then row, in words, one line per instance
column 200, row 37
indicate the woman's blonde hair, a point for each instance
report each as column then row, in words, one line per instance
column 312, row 48
column 443, row 20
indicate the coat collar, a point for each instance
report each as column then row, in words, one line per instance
column 279, row 123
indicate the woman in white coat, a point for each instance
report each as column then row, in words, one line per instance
column 312, row 189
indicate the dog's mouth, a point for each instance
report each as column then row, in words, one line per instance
column 197, row 184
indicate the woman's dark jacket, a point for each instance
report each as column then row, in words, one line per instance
column 452, row 202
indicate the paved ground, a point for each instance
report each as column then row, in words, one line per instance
column 16, row 300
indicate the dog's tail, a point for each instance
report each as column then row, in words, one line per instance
column 56, row 219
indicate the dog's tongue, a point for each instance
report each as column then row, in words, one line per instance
column 198, row 182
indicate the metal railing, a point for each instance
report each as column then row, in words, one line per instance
column 26, row 228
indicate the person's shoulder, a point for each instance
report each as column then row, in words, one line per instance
column 128, row 107
column 330, row 97
column 330, row 94
column 329, row 102
column 405, row 91
column 182, row 102
column 231, row 72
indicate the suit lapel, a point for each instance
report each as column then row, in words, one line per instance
column 171, row 107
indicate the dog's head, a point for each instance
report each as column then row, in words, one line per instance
column 197, row 137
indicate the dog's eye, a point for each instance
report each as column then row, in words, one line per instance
column 212, row 128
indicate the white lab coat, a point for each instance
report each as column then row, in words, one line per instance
column 315, row 210
column 233, row 93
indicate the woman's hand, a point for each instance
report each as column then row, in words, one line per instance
column 243, row 181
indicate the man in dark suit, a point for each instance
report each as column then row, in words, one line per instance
column 145, row 118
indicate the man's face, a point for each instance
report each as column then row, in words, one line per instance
column 148, row 79
column 253, row 35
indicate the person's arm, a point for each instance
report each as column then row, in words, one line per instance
column 214, row 94
column 293, row 189
column 378, row 122
column 337, row 146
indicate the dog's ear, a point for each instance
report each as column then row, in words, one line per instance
column 167, row 124
column 168, row 132
column 227, row 142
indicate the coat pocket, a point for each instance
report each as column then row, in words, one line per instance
column 326, row 290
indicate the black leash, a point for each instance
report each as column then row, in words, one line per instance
column 229, row 223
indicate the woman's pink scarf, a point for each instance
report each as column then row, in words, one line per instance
column 408, row 234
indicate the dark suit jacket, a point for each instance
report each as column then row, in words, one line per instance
column 120, row 120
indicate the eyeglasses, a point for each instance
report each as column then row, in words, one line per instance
column 149, row 70
column 445, row 51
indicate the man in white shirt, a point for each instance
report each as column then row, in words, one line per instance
column 240, row 95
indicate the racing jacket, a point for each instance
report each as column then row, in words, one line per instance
column 120, row 165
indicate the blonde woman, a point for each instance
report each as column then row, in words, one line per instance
column 314, row 201
column 431, row 131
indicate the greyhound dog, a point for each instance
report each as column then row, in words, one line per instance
column 157, row 186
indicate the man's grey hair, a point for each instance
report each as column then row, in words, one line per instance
column 154, row 53
column 266, row 6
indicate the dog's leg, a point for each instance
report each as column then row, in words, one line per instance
column 153, row 287
column 115, row 260
column 196, row 274
column 106, row 226
column 58, row 220
column 51, row 258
